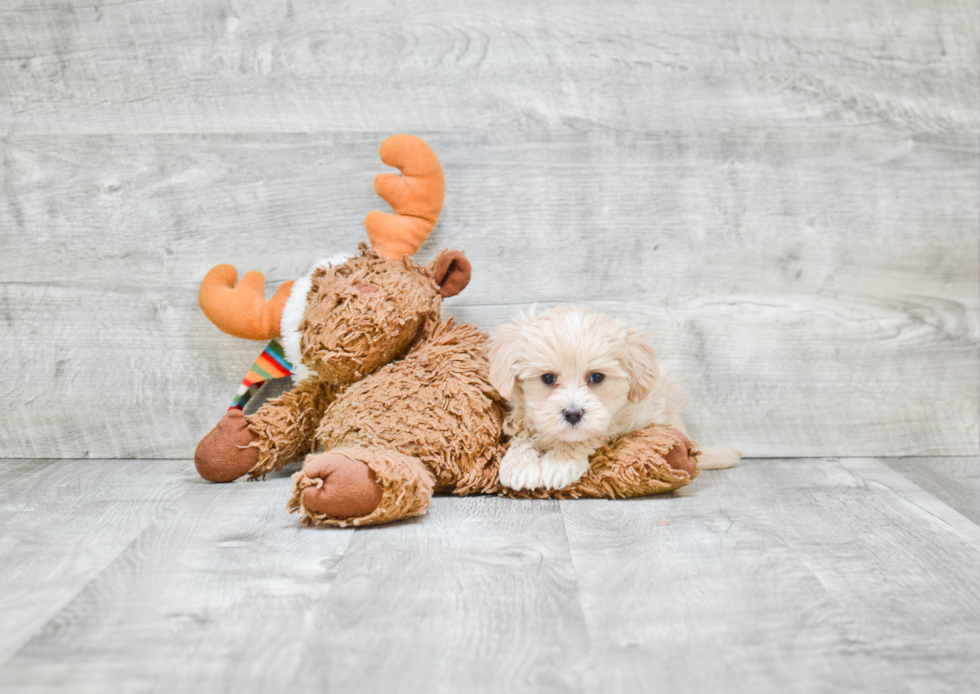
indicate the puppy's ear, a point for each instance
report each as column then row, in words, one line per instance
column 641, row 364
column 504, row 355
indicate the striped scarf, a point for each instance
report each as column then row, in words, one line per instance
column 272, row 363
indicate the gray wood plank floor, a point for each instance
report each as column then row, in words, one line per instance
column 807, row 575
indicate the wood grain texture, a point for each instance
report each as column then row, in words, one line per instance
column 226, row 570
column 782, row 575
column 792, row 340
column 437, row 65
column 243, row 598
column 479, row 595
column 954, row 481
column 796, row 575
column 63, row 523
column 787, row 197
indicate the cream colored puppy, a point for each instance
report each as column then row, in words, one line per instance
column 574, row 379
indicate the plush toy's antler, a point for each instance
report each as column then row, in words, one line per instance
column 415, row 196
column 242, row 311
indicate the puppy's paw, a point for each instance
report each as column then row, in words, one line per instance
column 560, row 470
column 520, row 467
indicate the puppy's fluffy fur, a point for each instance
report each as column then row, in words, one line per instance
column 574, row 379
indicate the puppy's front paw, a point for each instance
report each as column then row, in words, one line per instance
column 521, row 467
column 559, row 470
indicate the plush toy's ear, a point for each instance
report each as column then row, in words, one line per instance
column 641, row 362
column 504, row 358
column 452, row 272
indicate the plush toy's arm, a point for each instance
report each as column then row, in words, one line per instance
column 649, row 461
column 285, row 425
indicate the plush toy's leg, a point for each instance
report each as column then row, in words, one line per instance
column 339, row 487
column 361, row 486
column 226, row 452
column 279, row 432
column 683, row 455
column 649, row 461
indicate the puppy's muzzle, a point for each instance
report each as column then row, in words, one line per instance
column 573, row 415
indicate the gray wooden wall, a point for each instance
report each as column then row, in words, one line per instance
column 786, row 194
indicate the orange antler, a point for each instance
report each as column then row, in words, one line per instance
column 416, row 197
column 242, row 311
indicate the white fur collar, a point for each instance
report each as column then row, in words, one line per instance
column 292, row 314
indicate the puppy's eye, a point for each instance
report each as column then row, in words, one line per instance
column 549, row 379
column 596, row 378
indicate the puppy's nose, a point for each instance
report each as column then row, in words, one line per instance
column 572, row 415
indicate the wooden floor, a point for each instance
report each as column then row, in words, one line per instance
column 780, row 575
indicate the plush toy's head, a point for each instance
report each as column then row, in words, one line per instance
column 362, row 313
column 367, row 311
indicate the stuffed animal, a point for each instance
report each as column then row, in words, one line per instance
column 391, row 404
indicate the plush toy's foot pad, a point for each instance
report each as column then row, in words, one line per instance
column 349, row 489
column 225, row 453
column 360, row 486
column 681, row 456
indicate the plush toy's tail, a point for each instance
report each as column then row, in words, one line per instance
column 717, row 457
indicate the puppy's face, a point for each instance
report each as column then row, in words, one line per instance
column 569, row 371
column 572, row 393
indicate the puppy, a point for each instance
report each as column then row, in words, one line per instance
column 576, row 379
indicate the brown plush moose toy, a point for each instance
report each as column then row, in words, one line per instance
column 391, row 403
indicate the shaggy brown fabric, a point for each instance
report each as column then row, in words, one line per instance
column 226, row 452
column 348, row 334
column 285, row 425
column 436, row 404
column 406, row 488
column 349, row 488
column 631, row 466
